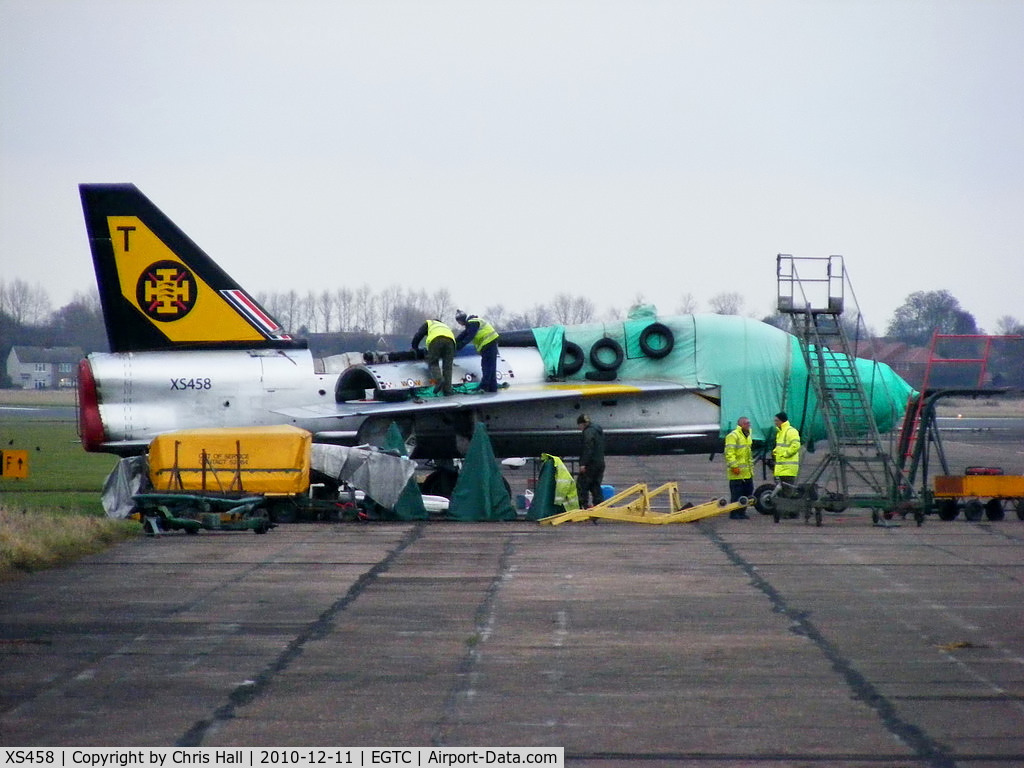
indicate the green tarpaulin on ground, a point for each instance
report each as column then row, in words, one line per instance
column 480, row 493
column 410, row 503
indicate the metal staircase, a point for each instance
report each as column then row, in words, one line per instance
column 857, row 469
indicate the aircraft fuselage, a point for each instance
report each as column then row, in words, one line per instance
column 128, row 398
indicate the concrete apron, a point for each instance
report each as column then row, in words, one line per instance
column 722, row 642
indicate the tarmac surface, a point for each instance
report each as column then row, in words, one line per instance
column 718, row 643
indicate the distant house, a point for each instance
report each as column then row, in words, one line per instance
column 44, row 367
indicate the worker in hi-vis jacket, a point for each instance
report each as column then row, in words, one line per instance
column 786, row 454
column 485, row 339
column 739, row 463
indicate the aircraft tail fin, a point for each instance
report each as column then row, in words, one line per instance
column 158, row 289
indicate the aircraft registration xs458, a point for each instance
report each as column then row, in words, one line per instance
column 190, row 348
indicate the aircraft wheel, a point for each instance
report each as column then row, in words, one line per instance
column 764, row 499
column 947, row 509
column 973, row 510
column 994, row 509
column 283, row 511
column 440, row 482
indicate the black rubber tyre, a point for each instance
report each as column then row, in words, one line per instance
column 947, row 509
column 572, row 358
column 597, row 350
column 661, row 336
column 994, row 510
column 763, row 501
column 973, row 510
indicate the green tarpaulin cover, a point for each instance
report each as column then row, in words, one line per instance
column 480, row 493
column 759, row 367
column 410, row 504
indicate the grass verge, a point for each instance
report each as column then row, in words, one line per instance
column 54, row 515
column 31, row 540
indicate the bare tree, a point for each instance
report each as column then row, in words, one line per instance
column 344, row 300
column 325, row 310
column 688, row 304
column 1007, row 325
column 496, row 315
column 537, row 316
column 441, row 305
column 292, row 310
column 408, row 319
column 569, row 310
column 389, row 300
column 25, row 304
column 729, row 303
column 308, row 312
column 366, row 309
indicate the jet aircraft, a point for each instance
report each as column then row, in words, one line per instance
column 190, row 348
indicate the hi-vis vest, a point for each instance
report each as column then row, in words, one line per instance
column 436, row 330
column 565, row 484
column 738, row 454
column 486, row 333
column 787, row 451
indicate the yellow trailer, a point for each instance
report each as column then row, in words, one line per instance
column 253, row 460
column 951, row 492
column 242, row 478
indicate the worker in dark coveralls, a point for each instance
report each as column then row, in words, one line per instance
column 440, row 353
column 588, row 481
column 485, row 339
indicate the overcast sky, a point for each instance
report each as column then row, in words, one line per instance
column 511, row 151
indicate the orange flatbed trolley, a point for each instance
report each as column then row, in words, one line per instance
column 951, row 492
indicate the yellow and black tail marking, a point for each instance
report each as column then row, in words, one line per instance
column 158, row 289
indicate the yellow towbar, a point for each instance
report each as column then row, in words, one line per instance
column 633, row 505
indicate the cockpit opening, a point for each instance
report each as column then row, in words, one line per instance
column 352, row 385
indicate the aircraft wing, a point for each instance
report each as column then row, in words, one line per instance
column 514, row 394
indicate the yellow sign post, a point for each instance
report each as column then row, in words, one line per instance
column 14, row 464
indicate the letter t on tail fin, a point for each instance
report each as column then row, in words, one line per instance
column 158, row 289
